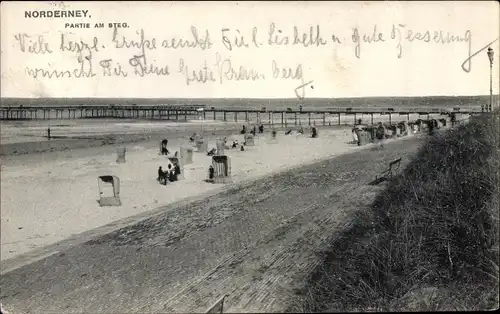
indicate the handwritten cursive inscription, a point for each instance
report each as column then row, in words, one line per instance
column 85, row 70
column 374, row 37
column 401, row 32
column 143, row 68
column 109, row 68
column 202, row 42
column 228, row 72
column 311, row 39
column 37, row 46
column 80, row 47
column 202, row 75
column 467, row 64
column 238, row 42
column 125, row 54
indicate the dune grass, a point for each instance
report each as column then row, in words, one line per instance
column 430, row 239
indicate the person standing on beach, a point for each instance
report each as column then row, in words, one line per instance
column 432, row 126
column 171, row 173
column 211, row 173
column 177, row 170
column 162, row 178
column 164, row 149
column 380, row 134
column 314, row 133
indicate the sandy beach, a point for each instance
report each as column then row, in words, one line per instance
column 56, row 199
column 51, row 196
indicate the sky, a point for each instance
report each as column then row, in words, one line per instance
column 416, row 49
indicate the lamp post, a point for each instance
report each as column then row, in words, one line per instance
column 490, row 56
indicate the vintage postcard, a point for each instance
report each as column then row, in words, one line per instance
column 220, row 157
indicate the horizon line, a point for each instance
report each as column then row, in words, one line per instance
column 251, row 98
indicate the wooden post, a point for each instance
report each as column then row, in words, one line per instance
column 176, row 115
column 355, row 118
column 390, row 118
column 185, row 115
column 282, row 119
column 407, row 117
column 246, row 116
column 309, row 119
column 324, row 118
column 214, row 116
column 372, row 117
column 269, row 117
column 338, row 114
column 236, row 116
column 295, row 118
column 225, row 116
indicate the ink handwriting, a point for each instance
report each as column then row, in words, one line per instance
column 122, row 54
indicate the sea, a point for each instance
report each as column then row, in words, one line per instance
column 274, row 103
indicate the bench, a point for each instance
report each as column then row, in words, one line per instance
column 388, row 173
column 217, row 307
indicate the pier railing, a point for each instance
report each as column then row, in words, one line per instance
column 186, row 113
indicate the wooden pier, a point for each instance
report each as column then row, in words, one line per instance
column 186, row 113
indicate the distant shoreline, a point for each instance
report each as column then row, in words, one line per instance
column 419, row 101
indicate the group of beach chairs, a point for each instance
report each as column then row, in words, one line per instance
column 365, row 134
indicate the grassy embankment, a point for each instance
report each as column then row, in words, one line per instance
column 429, row 241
